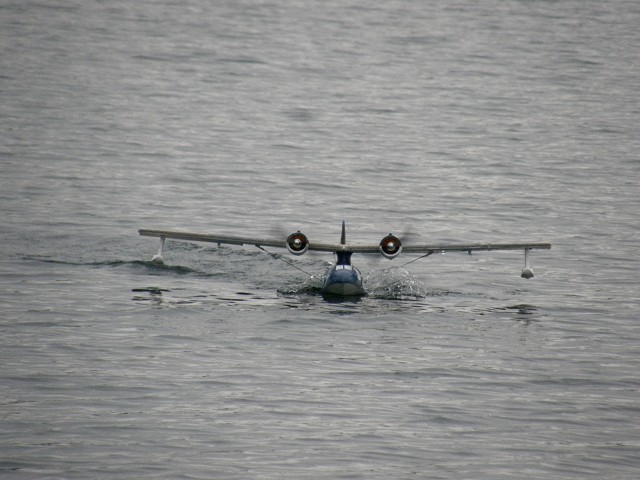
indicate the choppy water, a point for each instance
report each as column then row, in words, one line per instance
column 456, row 121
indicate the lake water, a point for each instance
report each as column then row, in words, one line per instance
column 462, row 121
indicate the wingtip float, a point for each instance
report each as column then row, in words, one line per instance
column 343, row 278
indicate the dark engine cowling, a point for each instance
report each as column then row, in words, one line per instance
column 390, row 246
column 297, row 243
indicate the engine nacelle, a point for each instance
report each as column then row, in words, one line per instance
column 297, row 243
column 390, row 246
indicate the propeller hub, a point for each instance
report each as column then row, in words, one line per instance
column 390, row 246
column 297, row 243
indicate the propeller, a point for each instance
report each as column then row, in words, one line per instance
column 280, row 231
column 390, row 246
column 297, row 243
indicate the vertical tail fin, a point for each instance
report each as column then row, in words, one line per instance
column 343, row 237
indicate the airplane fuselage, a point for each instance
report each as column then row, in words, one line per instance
column 343, row 279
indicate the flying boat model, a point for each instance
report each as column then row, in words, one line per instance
column 343, row 278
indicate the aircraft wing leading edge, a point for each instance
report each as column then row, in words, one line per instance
column 205, row 237
column 336, row 247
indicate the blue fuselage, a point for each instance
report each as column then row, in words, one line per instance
column 343, row 278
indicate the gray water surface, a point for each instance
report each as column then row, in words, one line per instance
column 460, row 121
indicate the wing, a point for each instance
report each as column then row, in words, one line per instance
column 337, row 247
column 206, row 237
column 432, row 248
column 473, row 247
column 255, row 241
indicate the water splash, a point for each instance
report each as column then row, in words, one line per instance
column 394, row 283
column 312, row 285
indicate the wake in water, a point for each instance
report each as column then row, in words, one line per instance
column 147, row 267
column 394, row 283
column 391, row 283
column 312, row 285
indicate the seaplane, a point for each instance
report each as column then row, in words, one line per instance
column 343, row 279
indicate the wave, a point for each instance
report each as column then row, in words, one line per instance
column 147, row 266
